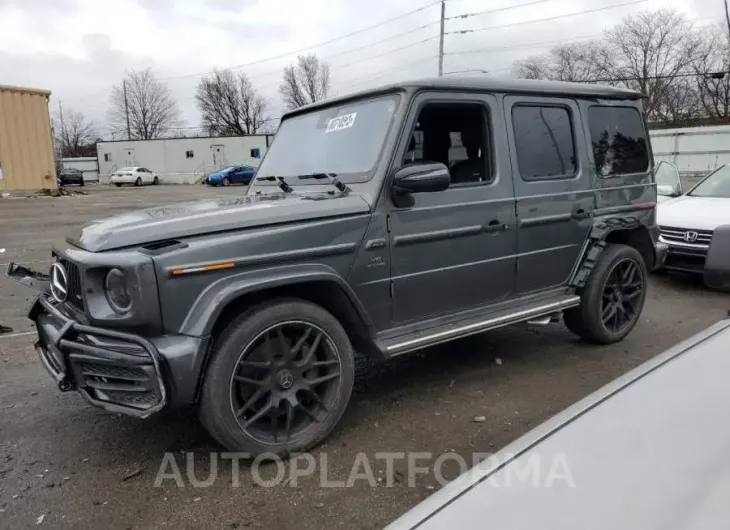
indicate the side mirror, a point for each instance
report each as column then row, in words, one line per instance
column 422, row 178
column 666, row 190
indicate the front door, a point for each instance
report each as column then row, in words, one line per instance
column 553, row 188
column 130, row 160
column 455, row 249
column 219, row 156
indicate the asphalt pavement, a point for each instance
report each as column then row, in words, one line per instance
column 64, row 464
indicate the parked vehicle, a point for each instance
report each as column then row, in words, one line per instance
column 382, row 222
column 604, row 462
column 231, row 175
column 68, row 176
column 689, row 221
column 134, row 175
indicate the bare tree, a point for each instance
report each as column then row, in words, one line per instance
column 229, row 105
column 713, row 84
column 74, row 134
column 649, row 52
column 144, row 103
column 306, row 82
column 578, row 61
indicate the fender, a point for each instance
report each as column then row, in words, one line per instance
column 595, row 243
column 207, row 308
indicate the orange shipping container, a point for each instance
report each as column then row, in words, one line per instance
column 26, row 140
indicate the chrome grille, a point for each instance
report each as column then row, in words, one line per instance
column 75, row 296
column 679, row 235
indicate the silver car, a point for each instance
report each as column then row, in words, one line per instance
column 648, row 451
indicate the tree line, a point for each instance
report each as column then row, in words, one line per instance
column 142, row 107
column 682, row 69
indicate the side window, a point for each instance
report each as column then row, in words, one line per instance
column 456, row 135
column 619, row 140
column 544, row 142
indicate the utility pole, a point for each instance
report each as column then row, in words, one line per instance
column 441, row 38
column 126, row 108
column 63, row 133
column 727, row 18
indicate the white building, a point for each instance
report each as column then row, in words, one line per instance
column 181, row 160
column 88, row 166
column 694, row 150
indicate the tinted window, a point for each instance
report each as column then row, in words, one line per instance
column 544, row 141
column 619, row 140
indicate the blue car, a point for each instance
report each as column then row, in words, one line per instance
column 231, row 175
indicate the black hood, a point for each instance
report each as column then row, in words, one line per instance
column 212, row 215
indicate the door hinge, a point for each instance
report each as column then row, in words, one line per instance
column 392, row 289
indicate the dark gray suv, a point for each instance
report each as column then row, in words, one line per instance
column 378, row 223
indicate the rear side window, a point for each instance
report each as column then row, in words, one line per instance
column 544, row 142
column 619, row 141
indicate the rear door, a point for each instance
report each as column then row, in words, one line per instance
column 553, row 188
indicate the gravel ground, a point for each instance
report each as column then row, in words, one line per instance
column 66, row 464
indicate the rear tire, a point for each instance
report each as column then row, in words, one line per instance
column 118, row 185
column 612, row 298
column 279, row 379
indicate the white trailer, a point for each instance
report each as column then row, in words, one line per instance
column 694, row 150
column 89, row 167
column 181, row 160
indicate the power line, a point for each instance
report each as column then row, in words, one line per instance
column 317, row 45
column 558, row 17
column 507, row 8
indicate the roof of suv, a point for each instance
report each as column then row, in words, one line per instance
column 489, row 84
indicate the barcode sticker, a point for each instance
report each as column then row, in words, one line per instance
column 341, row 122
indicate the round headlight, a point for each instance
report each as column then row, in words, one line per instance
column 117, row 291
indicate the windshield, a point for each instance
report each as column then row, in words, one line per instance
column 345, row 140
column 717, row 184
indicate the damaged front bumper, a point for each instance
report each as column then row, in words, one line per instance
column 117, row 371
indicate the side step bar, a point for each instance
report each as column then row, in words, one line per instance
column 400, row 346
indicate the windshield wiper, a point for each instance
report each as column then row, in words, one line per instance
column 286, row 188
column 332, row 177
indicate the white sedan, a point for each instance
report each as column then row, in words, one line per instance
column 687, row 222
column 134, row 175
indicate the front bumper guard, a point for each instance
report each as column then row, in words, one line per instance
column 93, row 361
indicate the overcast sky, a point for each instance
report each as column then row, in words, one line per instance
column 80, row 48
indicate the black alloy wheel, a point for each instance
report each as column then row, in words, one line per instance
column 622, row 296
column 285, row 381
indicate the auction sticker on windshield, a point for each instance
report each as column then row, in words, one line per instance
column 341, row 122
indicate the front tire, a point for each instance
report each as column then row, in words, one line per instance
column 279, row 380
column 612, row 298
column 155, row 181
column 226, row 181
column 138, row 182
column 118, row 185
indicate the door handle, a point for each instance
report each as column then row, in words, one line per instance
column 495, row 226
column 580, row 213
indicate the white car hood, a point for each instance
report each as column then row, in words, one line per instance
column 699, row 213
